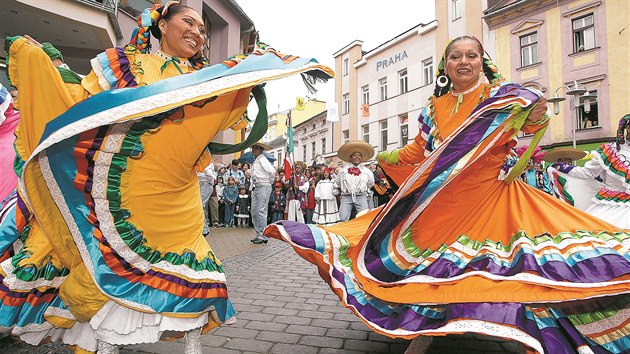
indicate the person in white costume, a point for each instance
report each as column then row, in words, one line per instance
column 605, row 180
column 326, row 211
column 354, row 180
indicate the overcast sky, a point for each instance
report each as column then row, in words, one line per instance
column 320, row 28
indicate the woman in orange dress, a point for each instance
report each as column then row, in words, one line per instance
column 464, row 246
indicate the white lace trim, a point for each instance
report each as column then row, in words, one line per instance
column 59, row 312
column 584, row 349
column 13, row 283
column 606, row 324
column 57, row 196
column 107, row 223
column 487, row 328
column 98, row 70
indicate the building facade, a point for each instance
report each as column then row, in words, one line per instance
column 551, row 45
column 276, row 135
column 312, row 140
column 81, row 29
column 380, row 92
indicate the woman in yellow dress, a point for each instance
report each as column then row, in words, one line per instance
column 464, row 246
column 109, row 248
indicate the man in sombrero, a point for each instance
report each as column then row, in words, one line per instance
column 354, row 180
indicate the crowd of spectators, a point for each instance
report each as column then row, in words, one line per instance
column 309, row 195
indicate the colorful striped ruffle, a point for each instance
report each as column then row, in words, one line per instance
column 609, row 158
column 543, row 327
column 612, row 196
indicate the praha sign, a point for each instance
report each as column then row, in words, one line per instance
column 382, row 64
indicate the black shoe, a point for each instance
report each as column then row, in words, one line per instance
column 258, row 241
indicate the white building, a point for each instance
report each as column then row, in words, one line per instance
column 381, row 92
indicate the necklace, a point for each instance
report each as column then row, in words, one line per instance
column 169, row 58
column 460, row 95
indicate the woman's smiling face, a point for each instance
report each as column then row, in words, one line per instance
column 182, row 34
column 463, row 63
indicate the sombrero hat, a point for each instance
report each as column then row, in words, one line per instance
column 563, row 153
column 301, row 164
column 262, row 145
column 360, row 146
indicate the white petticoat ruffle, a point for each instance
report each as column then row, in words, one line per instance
column 114, row 324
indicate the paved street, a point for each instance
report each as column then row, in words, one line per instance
column 284, row 307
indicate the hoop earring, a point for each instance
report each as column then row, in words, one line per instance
column 442, row 81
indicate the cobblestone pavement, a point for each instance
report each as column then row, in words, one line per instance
column 284, row 307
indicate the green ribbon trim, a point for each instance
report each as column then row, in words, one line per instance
column 258, row 129
column 69, row 76
column 175, row 61
column 133, row 237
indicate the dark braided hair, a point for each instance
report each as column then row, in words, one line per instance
column 141, row 36
column 489, row 69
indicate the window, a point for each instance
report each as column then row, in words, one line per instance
column 382, row 86
column 323, row 146
column 383, row 135
column 404, row 130
column 402, row 78
column 346, row 67
column 313, row 153
column 427, row 71
column 583, row 33
column 365, row 129
column 304, row 152
column 346, row 103
column 279, row 159
column 346, row 136
column 529, row 49
column 365, row 94
column 590, row 119
column 458, row 7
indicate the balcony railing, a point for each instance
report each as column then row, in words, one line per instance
column 109, row 6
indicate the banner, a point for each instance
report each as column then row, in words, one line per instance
column 289, row 133
column 288, row 166
column 299, row 103
column 365, row 110
column 331, row 114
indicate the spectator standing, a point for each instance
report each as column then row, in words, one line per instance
column 263, row 174
column 296, row 197
column 213, row 206
column 354, row 180
column 235, row 172
column 206, row 186
column 230, row 195
column 242, row 208
column 277, row 202
column 326, row 211
column 219, row 189
column 310, row 201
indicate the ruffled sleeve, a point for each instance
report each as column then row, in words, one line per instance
column 112, row 68
column 43, row 93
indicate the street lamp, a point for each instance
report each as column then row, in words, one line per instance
column 576, row 91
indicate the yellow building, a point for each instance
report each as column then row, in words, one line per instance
column 551, row 45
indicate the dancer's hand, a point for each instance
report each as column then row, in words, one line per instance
column 32, row 41
column 538, row 111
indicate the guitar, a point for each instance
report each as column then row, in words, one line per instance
column 381, row 188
